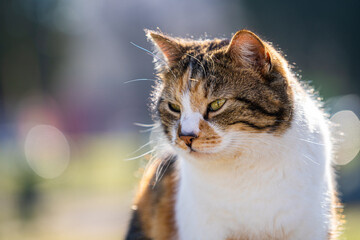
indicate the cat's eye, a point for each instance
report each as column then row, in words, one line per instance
column 174, row 107
column 216, row 105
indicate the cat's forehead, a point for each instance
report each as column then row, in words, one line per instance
column 203, row 57
column 192, row 86
column 206, row 46
column 199, row 68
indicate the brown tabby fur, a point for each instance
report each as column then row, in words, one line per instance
column 154, row 204
column 259, row 93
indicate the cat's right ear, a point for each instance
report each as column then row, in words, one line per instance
column 247, row 49
column 168, row 49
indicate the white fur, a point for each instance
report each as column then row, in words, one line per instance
column 247, row 53
column 189, row 119
column 279, row 186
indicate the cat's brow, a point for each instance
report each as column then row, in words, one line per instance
column 185, row 81
column 195, row 58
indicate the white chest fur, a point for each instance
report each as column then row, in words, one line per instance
column 279, row 188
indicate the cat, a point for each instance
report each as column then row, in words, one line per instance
column 244, row 150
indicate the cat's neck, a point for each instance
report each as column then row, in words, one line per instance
column 231, row 172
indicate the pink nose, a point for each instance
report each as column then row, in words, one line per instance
column 187, row 139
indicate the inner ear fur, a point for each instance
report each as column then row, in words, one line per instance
column 248, row 50
column 169, row 47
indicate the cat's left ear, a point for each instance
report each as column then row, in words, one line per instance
column 169, row 48
column 248, row 50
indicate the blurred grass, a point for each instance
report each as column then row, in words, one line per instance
column 91, row 200
column 352, row 226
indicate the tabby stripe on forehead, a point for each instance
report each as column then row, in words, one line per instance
column 250, row 124
column 257, row 107
column 255, row 126
column 211, row 46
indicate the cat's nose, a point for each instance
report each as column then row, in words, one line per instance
column 187, row 138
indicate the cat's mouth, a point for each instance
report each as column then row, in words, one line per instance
column 200, row 146
column 191, row 150
column 195, row 152
column 188, row 149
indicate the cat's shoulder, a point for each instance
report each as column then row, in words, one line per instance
column 153, row 209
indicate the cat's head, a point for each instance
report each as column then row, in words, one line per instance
column 215, row 94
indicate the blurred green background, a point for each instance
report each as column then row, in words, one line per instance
column 64, row 63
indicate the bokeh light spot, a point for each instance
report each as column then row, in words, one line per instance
column 347, row 136
column 47, row 151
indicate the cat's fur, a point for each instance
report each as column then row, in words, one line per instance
column 260, row 167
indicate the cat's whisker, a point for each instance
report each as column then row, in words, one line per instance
column 311, row 160
column 140, row 79
column 154, row 55
column 161, row 171
column 150, row 127
column 140, row 156
column 143, row 146
column 312, row 142
column 145, row 125
column 153, row 161
column 148, row 130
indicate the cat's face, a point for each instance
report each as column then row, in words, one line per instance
column 216, row 94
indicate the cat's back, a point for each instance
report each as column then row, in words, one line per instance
column 153, row 209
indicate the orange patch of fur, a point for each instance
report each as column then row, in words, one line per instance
column 156, row 206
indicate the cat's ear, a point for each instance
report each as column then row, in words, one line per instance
column 247, row 49
column 169, row 49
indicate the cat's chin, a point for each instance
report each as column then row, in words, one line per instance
column 197, row 154
column 201, row 155
column 209, row 156
column 194, row 152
